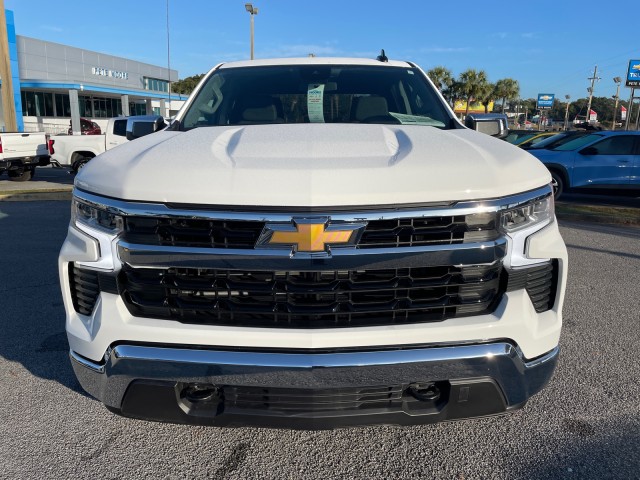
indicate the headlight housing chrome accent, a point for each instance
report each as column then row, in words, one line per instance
column 96, row 216
column 538, row 211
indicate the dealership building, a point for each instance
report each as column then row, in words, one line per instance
column 52, row 83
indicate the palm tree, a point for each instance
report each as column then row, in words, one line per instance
column 441, row 77
column 487, row 95
column 474, row 84
column 507, row 89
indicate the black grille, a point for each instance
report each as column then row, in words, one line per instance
column 322, row 299
column 406, row 232
column 313, row 400
column 85, row 288
column 539, row 281
column 186, row 232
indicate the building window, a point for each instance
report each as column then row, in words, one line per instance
column 102, row 107
column 137, row 109
column 63, row 107
column 156, row 84
column 37, row 104
column 156, row 111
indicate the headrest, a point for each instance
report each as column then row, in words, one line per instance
column 367, row 107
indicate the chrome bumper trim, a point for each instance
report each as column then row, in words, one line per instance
column 502, row 362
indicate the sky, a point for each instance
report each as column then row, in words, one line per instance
column 548, row 46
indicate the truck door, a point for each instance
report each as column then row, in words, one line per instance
column 607, row 162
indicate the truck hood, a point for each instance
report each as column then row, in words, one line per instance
column 313, row 165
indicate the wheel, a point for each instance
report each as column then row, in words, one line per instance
column 557, row 182
column 21, row 175
column 80, row 163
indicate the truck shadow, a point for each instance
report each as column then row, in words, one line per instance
column 31, row 310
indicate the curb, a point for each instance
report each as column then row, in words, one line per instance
column 35, row 195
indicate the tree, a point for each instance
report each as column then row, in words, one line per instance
column 487, row 95
column 473, row 85
column 507, row 89
column 186, row 85
column 441, row 77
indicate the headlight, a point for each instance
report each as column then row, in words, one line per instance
column 538, row 211
column 95, row 216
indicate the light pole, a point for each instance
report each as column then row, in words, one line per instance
column 566, row 113
column 617, row 81
column 252, row 11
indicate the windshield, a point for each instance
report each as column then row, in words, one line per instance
column 577, row 143
column 316, row 94
column 556, row 140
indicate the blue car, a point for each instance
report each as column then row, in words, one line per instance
column 599, row 159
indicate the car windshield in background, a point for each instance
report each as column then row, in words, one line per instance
column 316, row 94
column 577, row 143
column 556, row 140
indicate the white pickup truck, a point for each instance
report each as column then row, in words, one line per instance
column 21, row 153
column 314, row 243
column 76, row 150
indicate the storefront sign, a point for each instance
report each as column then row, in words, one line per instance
column 633, row 74
column 104, row 72
column 545, row 100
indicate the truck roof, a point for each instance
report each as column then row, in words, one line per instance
column 315, row 61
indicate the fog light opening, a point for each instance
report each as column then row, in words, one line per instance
column 425, row 392
column 201, row 392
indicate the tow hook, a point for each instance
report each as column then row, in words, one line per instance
column 425, row 392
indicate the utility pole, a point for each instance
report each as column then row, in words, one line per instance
column 593, row 81
column 617, row 81
column 566, row 113
column 8, row 102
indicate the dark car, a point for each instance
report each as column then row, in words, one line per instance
column 517, row 136
column 87, row 127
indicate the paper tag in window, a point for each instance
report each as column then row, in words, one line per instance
column 315, row 95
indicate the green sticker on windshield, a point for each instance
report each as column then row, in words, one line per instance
column 315, row 97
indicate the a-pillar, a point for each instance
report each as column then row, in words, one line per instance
column 75, row 112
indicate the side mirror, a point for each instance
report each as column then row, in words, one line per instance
column 494, row 124
column 589, row 151
column 142, row 125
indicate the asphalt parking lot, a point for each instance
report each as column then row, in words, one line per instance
column 585, row 424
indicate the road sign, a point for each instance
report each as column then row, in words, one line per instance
column 545, row 100
column 633, row 74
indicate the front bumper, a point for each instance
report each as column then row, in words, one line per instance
column 313, row 390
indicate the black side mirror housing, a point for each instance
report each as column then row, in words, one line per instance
column 494, row 124
column 142, row 125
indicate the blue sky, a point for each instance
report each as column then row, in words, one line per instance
column 548, row 46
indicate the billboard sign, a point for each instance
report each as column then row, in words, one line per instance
column 633, row 74
column 545, row 100
column 623, row 113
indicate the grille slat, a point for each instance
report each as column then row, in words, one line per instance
column 239, row 234
column 311, row 299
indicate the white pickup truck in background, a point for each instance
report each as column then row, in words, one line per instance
column 76, row 150
column 21, row 153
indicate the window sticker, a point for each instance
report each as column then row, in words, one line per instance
column 315, row 96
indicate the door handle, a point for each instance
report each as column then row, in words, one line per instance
column 623, row 160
